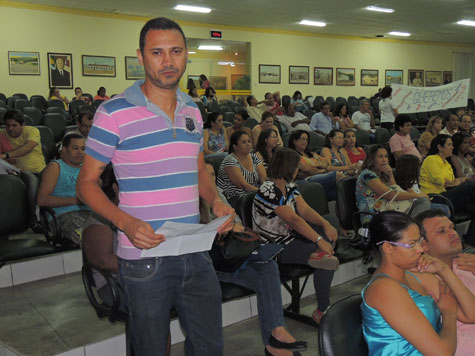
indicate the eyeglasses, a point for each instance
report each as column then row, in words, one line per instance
column 401, row 244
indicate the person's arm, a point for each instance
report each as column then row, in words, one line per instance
column 371, row 116
column 98, row 245
column 326, row 153
column 226, row 140
column 262, row 172
column 21, row 151
column 281, row 143
column 377, row 186
column 206, row 150
column 395, row 145
column 236, row 177
column 311, row 216
column 49, row 179
column 466, row 262
column 314, row 122
column 310, row 169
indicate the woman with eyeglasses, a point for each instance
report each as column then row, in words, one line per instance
column 402, row 310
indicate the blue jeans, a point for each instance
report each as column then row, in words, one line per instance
column 262, row 278
column 152, row 286
column 327, row 180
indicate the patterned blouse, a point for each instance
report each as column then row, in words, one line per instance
column 216, row 143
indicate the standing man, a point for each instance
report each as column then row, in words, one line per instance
column 153, row 134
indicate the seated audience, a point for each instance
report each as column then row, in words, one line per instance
column 273, row 103
column 451, row 125
column 193, row 93
column 323, row 121
column 267, row 122
column 313, row 167
column 293, row 120
column 297, row 100
column 442, row 242
column 215, row 138
column 355, row 154
column 267, row 142
column 25, row 142
column 281, row 215
column 461, row 160
column 210, row 95
column 238, row 124
column 204, row 82
column 254, row 108
column 386, row 108
column 401, row 143
column 54, row 94
column 466, row 126
column 336, row 156
column 437, row 176
column 363, row 119
column 101, row 94
column 78, row 95
column 400, row 317
column 58, row 188
column 342, row 117
column 84, row 123
column 241, row 170
column 433, row 128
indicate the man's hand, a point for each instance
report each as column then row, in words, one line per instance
column 141, row 234
column 330, row 231
column 466, row 262
column 220, row 208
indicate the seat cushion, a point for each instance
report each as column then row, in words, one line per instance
column 231, row 291
column 291, row 271
column 11, row 250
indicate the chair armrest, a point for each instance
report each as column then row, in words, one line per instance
column 50, row 223
column 439, row 198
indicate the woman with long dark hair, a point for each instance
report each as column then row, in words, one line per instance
column 267, row 142
column 215, row 138
column 336, row 156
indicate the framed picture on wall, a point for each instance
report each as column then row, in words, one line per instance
column 345, row 76
column 447, row 77
column 369, row 77
column 323, row 75
column 98, row 66
column 299, row 74
column 393, row 76
column 433, row 78
column 415, row 77
column 218, row 82
column 60, row 70
column 269, row 74
column 133, row 69
column 23, row 63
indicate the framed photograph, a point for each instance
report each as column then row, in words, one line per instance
column 218, row 82
column 415, row 77
column 133, row 69
column 369, row 77
column 345, row 76
column 98, row 66
column 24, row 63
column 299, row 74
column 269, row 74
column 433, row 78
column 447, row 77
column 393, row 76
column 323, row 75
column 60, row 70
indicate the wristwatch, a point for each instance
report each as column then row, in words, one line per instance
column 319, row 238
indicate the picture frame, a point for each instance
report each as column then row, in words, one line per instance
column 369, row 78
column 60, row 70
column 345, row 76
column 299, row 74
column 393, row 76
column 133, row 69
column 218, row 82
column 447, row 77
column 23, row 63
column 98, row 66
column 415, row 77
column 433, row 78
column 269, row 74
column 323, row 75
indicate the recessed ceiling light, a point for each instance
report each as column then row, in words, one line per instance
column 397, row 33
column 191, row 52
column 312, row 23
column 210, row 48
column 379, row 9
column 466, row 22
column 204, row 10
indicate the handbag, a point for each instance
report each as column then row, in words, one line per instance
column 230, row 251
column 403, row 206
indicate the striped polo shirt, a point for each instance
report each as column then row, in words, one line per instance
column 155, row 160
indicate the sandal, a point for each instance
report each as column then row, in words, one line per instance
column 323, row 260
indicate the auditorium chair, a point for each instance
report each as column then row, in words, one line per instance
column 316, row 141
column 224, row 108
column 2, row 114
column 309, row 113
column 382, row 136
column 74, row 106
column 39, row 102
column 19, row 104
column 55, row 103
column 57, row 110
column 98, row 102
column 215, row 161
column 21, row 96
column 52, row 230
column 3, row 97
column 48, row 142
column 229, row 116
column 56, row 122
column 3, row 104
column 362, row 138
column 28, row 121
column 213, row 106
column 286, row 138
column 250, row 123
column 34, row 113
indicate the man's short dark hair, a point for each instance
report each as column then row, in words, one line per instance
column 87, row 114
column 249, row 98
column 325, row 103
column 14, row 114
column 159, row 23
column 427, row 214
column 67, row 139
column 401, row 121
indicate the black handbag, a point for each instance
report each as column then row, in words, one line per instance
column 230, row 251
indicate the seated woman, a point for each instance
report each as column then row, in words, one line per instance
column 210, row 95
column 215, row 138
column 374, row 181
column 461, row 158
column 267, row 122
column 433, row 128
column 193, row 93
column 355, row 154
column 241, row 171
column 437, row 176
column 266, row 144
column 341, row 115
column 313, row 167
column 101, row 94
column 54, row 94
column 282, row 216
column 238, row 124
column 400, row 316
column 336, row 156
column 297, row 100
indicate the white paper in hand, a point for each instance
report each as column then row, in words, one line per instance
column 184, row 238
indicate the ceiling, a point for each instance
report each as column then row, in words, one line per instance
column 426, row 20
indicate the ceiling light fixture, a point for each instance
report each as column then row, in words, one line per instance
column 397, row 33
column 210, row 48
column 466, row 22
column 379, row 9
column 191, row 52
column 312, row 23
column 204, row 10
